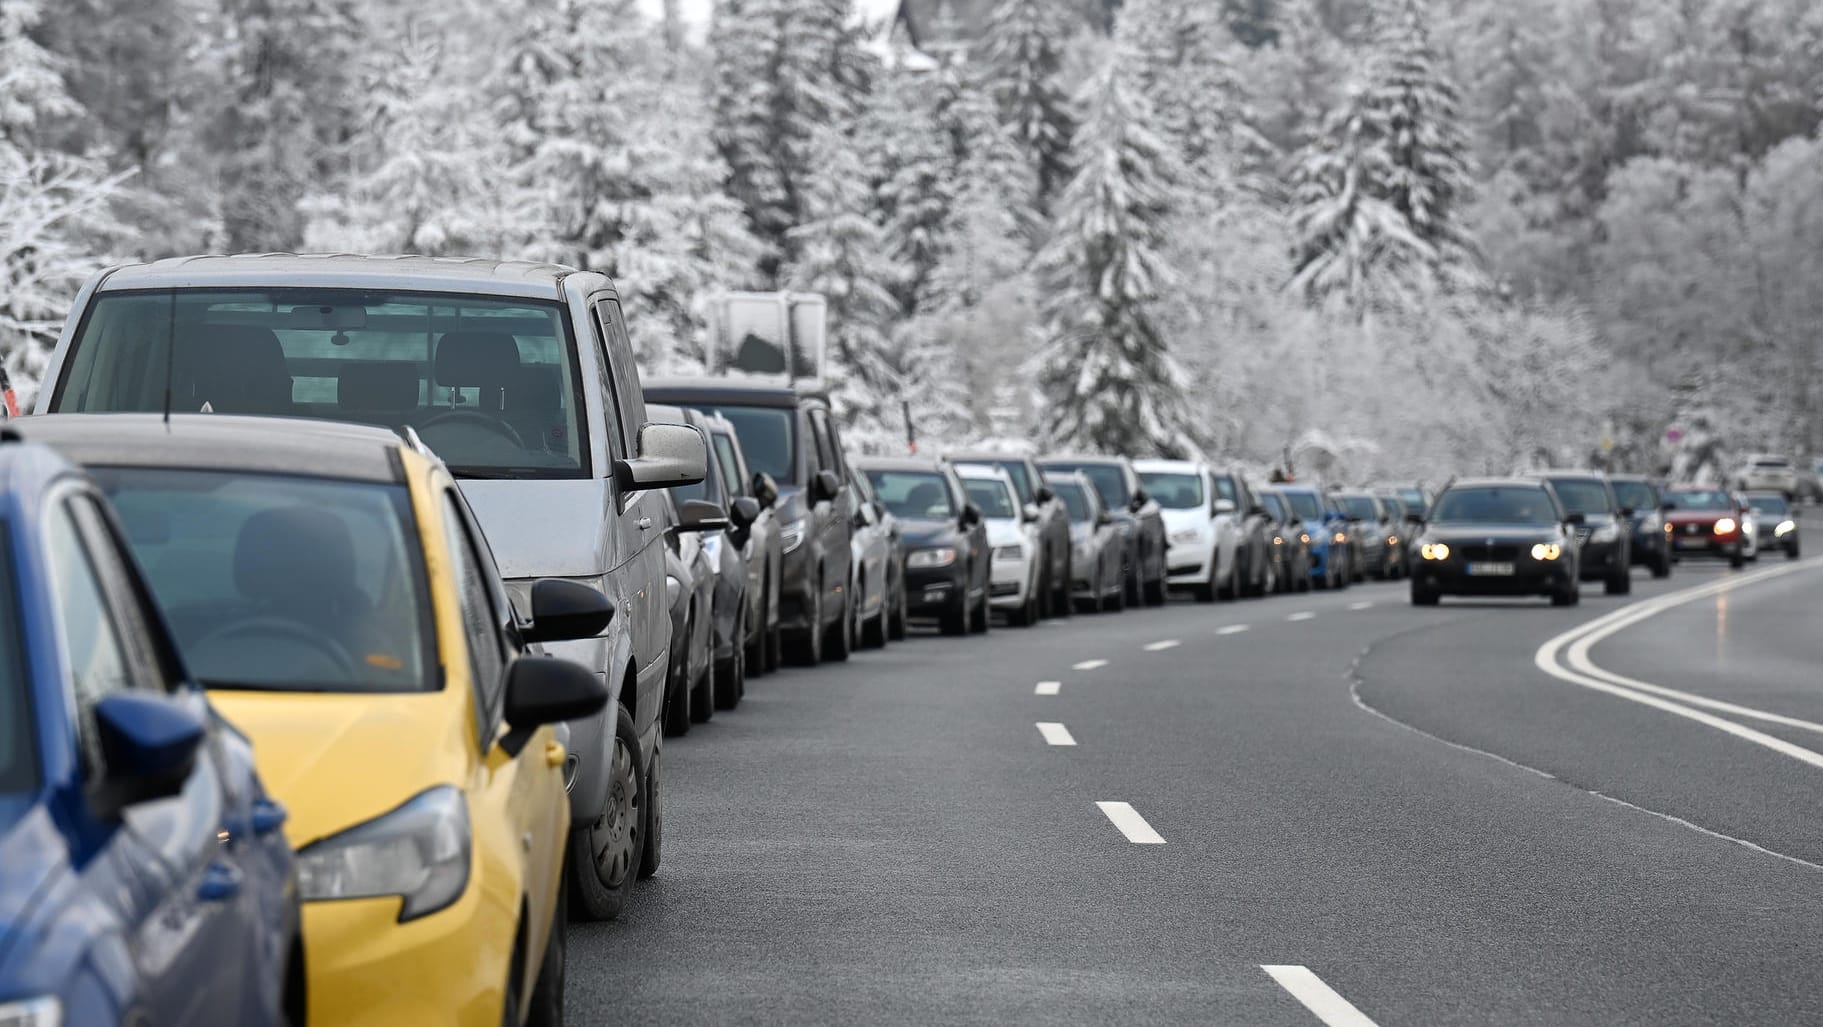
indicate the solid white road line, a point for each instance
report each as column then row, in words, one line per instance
column 1231, row 629
column 1162, row 644
column 1583, row 672
column 1318, row 997
column 1130, row 823
column 1361, row 606
column 1047, row 688
column 1305, row 615
column 1090, row 665
column 1056, row 734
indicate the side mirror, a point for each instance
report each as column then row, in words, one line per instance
column 744, row 511
column 1103, row 518
column 1030, row 513
column 1575, row 519
column 825, row 487
column 701, row 515
column 765, row 489
column 1626, row 512
column 563, row 611
column 669, row 455
column 1044, row 494
column 149, row 745
column 1140, row 498
column 544, row 690
column 971, row 515
column 1225, row 506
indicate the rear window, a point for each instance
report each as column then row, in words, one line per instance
column 1699, row 499
column 1636, row 495
column 1015, row 469
column 490, row 385
column 914, row 495
column 1773, row 465
column 768, row 438
column 1107, row 479
column 1361, row 508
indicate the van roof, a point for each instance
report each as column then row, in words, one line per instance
column 343, row 271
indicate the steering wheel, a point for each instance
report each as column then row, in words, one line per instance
column 480, row 419
column 288, row 630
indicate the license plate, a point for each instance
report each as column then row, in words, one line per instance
column 1692, row 543
column 1490, row 570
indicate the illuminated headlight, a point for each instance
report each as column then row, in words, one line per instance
column 1746, row 527
column 1278, row 540
column 1186, row 537
column 1392, row 540
column 928, row 558
column 791, row 535
column 1547, row 551
column 1009, row 553
column 32, row 1012
column 1785, row 528
column 1725, row 525
column 1434, row 551
column 1341, row 537
column 1305, row 538
column 419, row 852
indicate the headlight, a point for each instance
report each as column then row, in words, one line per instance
column 419, row 852
column 1009, row 552
column 927, row 558
column 32, row 1012
column 1278, row 540
column 1304, row 538
column 1185, row 537
column 1392, row 540
column 1341, row 537
column 1434, row 551
column 791, row 535
column 1725, row 525
column 1785, row 528
column 1547, row 551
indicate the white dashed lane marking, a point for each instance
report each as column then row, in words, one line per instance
column 1361, row 606
column 1130, row 823
column 1232, row 629
column 1090, row 665
column 1056, row 734
column 1305, row 615
column 1047, row 688
column 1318, row 997
column 1163, row 644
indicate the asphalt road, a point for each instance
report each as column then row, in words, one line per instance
column 1403, row 803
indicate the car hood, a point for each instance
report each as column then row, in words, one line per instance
column 336, row 760
column 543, row 528
column 1004, row 532
column 1498, row 533
column 33, row 858
column 928, row 533
column 1185, row 520
column 1696, row 516
column 791, row 505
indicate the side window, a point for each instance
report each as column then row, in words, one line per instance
column 629, row 401
column 731, row 467
column 109, row 556
column 482, row 620
column 813, row 448
column 618, row 440
column 829, row 450
column 91, row 639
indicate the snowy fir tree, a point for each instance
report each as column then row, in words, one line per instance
column 915, row 167
column 1026, row 43
column 1108, row 377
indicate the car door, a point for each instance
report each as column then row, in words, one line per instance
column 832, row 517
column 180, row 860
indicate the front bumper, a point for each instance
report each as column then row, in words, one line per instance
column 1707, row 543
column 1529, row 577
column 1011, row 584
column 1187, row 563
column 932, row 592
column 1599, row 558
column 1648, row 546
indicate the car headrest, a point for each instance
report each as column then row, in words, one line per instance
column 378, row 385
column 536, row 387
column 489, row 359
column 236, row 369
column 295, row 556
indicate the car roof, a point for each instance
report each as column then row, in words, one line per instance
column 1765, row 494
column 1584, row 475
column 734, row 391
column 1528, row 482
column 1631, row 477
column 1696, row 486
column 982, row 456
column 1083, row 458
column 1183, row 466
column 898, row 463
column 281, row 445
column 521, row 278
column 981, row 473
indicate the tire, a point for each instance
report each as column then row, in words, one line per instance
column 677, row 703
column 873, row 632
column 1155, row 592
column 547, row 992
column 1063, row 604
column 1422, row 596
column 809, row 651
column 1026, row 614
column 1619, row 583
column 1569, row 595
column 983, row 615
column 956, row 621
column 840, row 644
column 1736, row 560
column 1116, row 601
column 703, row 691
column 515, row 984
column 1209, row 591
column 899, row 625
column 1661, row 567
column 600, row 887
column 731, row 680
column 1791, row 551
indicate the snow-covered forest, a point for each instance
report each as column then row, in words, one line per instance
column 1371, row 236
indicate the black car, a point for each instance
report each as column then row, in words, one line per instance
column 1498, row 537
column 1605, row 535
column 1650, row 545
column 1778, row 522
column 1136, row 517
column 1290, row 552
column 790, row 435
column 1053, row 525
column 947, row 569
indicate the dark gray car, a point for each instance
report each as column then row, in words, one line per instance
column 754, row 533
column 712, row 582
column 1136, row 516
column 1053, row 524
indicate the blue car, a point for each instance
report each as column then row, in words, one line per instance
column 144, row 873
column 1328, row 530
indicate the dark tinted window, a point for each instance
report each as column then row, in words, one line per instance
column 1107, row 479
column 1075, row 500
column 1582, row 495
column 914, row 495
column 18, row 754
column 1227, row 488
column 1361, row 508
column 1769, row 504
column 1175, row 491
column 1306, row 505
column 1501, row 504
column 729, row 462
column 1413, row 500
column 1275, row 507
column 1636, row 495
column 91, row 639
column 991, row 495
column 768, row 438
column 1700, row 499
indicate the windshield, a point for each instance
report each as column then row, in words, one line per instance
column 914, row 495
column 1274, row 506
column 1773, row 465
column 1501, row 504
column 992, row 496
column 1769, row 504
column 1015, row 469
column 1174, row 491
column 1699, row 499
column 282, row 583
column 1076, row 501
column 1107, row 479
column 1582, row 495
column 490, row 385
column 1636, row 495
column 1306, row 505
column 768, row 439
column 1361, row 508
column 18, row 760
column 1413, row 500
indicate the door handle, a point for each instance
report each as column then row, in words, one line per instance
column 645, row 524
column 221, row 882
column 268, row 816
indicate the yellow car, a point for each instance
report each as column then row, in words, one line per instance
column 328, row 585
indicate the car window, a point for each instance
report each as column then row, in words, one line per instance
column 1360, row 508
column 277, row 582
column 768, row 438
column 18, row 740
column 1636, row 495
column 1274, row 506
column 1501, row 504
column 729, row 462
column 490, row 384
column 1773, row 465
column 1769, row 504
column 1107, row 479
column 1175, row 491
column 993, row 497
column 629, row 401
column 482, row 623
column 914, row 495
column 1075, row 500
column 1700, row 499
column 1583, row 496
column 98, row 664
column 828, row 455
column 1306, row 505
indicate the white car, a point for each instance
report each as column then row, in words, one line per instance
column 1012, row 535
column 1768, row 472
column 1212, row 545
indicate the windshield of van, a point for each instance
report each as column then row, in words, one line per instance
column 1306, row 505
column 1580, row 495
column 490, row 385
column 18, row 763
column 1173, row 490
column 768, row 439
column 1361, row 508
column 282, row 583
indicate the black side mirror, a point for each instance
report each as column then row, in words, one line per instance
column 744, row 511
column 149, row 744
column 563, row 611
column 1667, row 506
column 825, row 486
column 1103, row 518
column 765, row 489
column 1575, row 519
column 971, row 515
column 1044, row 494
column 1258, row 511
column 1140, row 498
column 701, row 515
column 1626, row 512
column 544, row 690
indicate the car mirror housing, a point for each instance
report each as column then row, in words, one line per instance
column 765, row 489
column 1575, row 519
column 149, row 745
column 701, row 515
column 669, row 455
column 1044, row 494
column 971, row 515
column 1103, row 518
column 544, row 690
column 825, row 486
column 1029, row 514
column 563, row 611
column 744, row 511
column 1626, row 512
column 1140, row 498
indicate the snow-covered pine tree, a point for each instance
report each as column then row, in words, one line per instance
column 1110, row 382
column 1026, row 44
column 913, row 162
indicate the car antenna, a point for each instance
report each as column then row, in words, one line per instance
column 170, row 353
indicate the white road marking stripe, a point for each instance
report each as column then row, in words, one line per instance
column 1056, row 734
column 1090, row 665
column 1361, row 606
column 1047, row 688
column 1583, row 672
column 1232, row 629
column 1130, row 823
column 1305, row 615
column 1318, row 997
column 1163, row 644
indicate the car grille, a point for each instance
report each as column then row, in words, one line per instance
column 1009, row 588
column 1582, row 535
column 1499, row 553
column 1692, row 529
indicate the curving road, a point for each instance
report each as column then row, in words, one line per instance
column 1368, row 814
